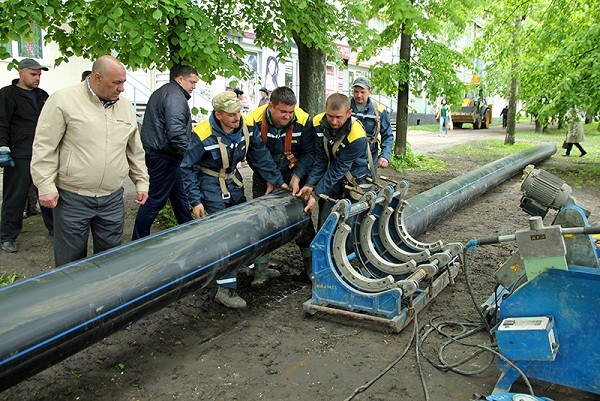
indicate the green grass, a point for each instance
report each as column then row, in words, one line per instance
column 436, row 127
column 166, row 218
column 417, row 162
column 426, row 127
column 577, row 171
column 491, row 148
column 8, row 278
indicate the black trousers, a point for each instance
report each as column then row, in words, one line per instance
column 570, row 147
column 15, row 188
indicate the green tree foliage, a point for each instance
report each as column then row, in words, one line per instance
column 164, row 33
column 430, row 29
column 556, row 50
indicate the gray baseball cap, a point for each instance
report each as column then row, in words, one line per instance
column 31, row 64
column 363, row 82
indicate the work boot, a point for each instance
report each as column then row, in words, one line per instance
column 249, row 271
column 262, row 273
column 307, row 262
column 229, row 298
column 9, row 246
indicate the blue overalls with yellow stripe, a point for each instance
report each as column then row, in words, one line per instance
column 210, row 173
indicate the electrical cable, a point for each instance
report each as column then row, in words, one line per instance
column 417, row 348
column 444, row 366
column 489, row 331
column 457, row 338
column 472, row 295
column 391, row 365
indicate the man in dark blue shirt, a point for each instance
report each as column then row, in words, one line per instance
column 210, row 175
column 165, row 135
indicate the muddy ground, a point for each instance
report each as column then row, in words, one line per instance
column 198, row 350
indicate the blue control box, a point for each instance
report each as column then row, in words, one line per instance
column 527, row 338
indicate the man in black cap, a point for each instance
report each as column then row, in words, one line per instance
column 376, row 121
column 20, row 107
column 265, row 97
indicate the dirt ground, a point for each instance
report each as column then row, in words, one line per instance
column 198, row 350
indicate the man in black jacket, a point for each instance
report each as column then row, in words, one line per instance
column 165, row 135
column 20, row 107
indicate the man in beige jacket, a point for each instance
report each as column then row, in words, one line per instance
column 87, row 141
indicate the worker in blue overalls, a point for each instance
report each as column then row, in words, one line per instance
column 285, row 130
column 209, row 168
column 342, row 158
column 376, row 120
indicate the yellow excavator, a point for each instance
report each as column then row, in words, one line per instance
column 475, row 109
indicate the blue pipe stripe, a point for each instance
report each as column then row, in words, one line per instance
column 57, row 336
column 118, row 248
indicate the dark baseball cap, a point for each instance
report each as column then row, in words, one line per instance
column 31, row 64
column 363, row 82
column 263, row 89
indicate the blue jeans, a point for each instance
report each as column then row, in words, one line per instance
column 444, row 124
column 165, row 184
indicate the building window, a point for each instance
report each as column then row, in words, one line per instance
column 32, row 47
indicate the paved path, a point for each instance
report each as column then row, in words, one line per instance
column 424, row 142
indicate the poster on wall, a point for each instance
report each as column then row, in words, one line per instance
column 329, row 80
column 273, row 75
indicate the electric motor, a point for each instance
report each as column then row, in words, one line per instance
column 543, row 191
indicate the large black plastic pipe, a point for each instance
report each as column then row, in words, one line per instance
column 427, row 208
column 49, row 317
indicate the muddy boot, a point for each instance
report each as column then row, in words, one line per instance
column 262, row 273
column 307, row 262
column 229, row 298
column 247, row 270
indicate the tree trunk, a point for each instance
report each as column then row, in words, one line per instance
column 509, row 139
column 539, row 128
column 403, row 90
column 312, row 64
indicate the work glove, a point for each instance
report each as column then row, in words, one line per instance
column 5, row 159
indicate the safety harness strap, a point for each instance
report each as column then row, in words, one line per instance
column 287, row 146
column 349, row 177
column 222, row 174
column 377, row 122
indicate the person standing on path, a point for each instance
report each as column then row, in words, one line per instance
column 443, row 115
column 87, row 141
column 376, row 121
column 165, row 135
column 575, row 133
column 504, row 115
column 20, row 107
